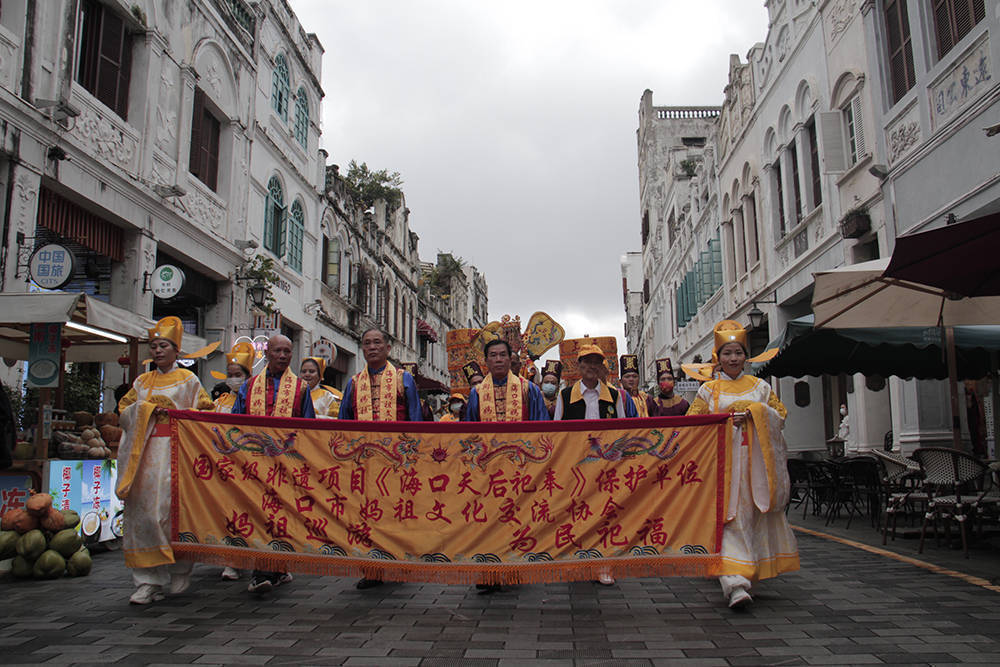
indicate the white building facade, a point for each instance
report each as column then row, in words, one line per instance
column 154, row 132
column 813, row 130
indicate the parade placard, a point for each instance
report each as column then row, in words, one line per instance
column 454, row 503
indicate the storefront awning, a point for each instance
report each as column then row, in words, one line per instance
column 19, row 311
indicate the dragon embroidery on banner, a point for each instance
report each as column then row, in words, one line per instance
column 401, row 454
column 630, row 446
column 476, row 453
column 256, row 443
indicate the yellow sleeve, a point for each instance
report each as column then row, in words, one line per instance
column 779, row 407
column 698, row 407
column 127, row 400
column 203, row 401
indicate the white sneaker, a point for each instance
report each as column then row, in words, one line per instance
column 606, row 579
column 179, row 583
column 739, row 599
column 285, row 578
column 145, row 594
column 230, row 574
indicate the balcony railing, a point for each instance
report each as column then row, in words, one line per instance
column 673, row 113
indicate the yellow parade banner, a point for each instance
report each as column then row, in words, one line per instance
column 451, row 502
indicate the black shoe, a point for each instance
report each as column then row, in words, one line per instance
column 489, row 589
column 260, row 583
column 367, row 583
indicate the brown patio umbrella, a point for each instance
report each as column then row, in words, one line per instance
column 960, row 258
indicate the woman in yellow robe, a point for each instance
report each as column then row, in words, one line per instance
column 757, row 542
column 144, row 464
column 325, row 402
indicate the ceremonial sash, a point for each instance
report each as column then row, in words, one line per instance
column 382, row 407
column 284, row 400
column 641, row 409
column 513, row 400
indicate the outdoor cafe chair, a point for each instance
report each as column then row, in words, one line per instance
column 903, row 489
column 961, row 490
column 798, row 475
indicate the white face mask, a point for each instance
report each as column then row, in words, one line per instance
column 456, row 407
column 843, row 410
column 235, row 383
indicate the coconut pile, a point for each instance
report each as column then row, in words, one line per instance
column 43, row 541
column 92, row 438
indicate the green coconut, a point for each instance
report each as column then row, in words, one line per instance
column 79, row 564
column 31, row 545
column 67, row 542
column 72, row 518
column 49, row 565
column 20, row 568
column 8, row 544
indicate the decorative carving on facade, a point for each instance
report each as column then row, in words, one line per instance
column 25, row 192
column 783, row 44
column 8, row 61
column 840, row 14
column 162, row 172
column 214, row 80
column 104, row 139
column 202, row 211
column 166, row 116
column 970, row 77
column 902, row 138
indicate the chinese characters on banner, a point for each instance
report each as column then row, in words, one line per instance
column 452, row 503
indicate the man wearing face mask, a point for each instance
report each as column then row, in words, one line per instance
column 666, row 403
column 456, row 406
column 551, row 374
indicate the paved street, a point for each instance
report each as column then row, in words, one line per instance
column 846, row 606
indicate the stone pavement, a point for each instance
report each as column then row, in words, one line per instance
column 846, row 606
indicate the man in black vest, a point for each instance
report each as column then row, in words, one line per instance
column 589, row 398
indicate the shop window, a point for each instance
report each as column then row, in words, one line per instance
column 105, row 56
column 280, row 87
column 897, row 27
column 302, row 118
column 205, row 131
column 331, row 263
column 274, row 218
column 954, row 19
column 296, row 225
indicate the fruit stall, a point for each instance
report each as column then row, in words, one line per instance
column 67, row 455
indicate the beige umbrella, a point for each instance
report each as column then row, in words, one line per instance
column 859, row 295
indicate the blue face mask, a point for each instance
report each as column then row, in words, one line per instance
column 549, row 389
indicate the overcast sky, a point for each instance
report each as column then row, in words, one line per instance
column 513, row 126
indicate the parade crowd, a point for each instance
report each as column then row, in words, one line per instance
column 757, row 540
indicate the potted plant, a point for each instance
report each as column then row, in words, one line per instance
column 855, row 223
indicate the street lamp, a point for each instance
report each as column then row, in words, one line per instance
column 756, row 315
column 257, row 293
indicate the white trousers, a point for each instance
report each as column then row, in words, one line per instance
column 160, row 575
column 732, row 582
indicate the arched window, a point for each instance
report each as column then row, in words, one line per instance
column 274, row 217
column 280, row 86
column 302, row 118
column 331, row 263
column 296, row 225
